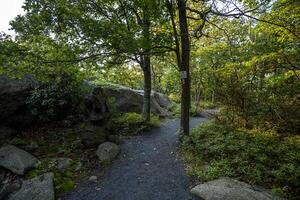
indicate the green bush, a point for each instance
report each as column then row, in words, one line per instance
column 133, row 123
column 57, row 98
column 130, row 118
column 262, row 158
column 175, row 108
column 207, row 105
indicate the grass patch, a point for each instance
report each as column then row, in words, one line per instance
column 260, row 158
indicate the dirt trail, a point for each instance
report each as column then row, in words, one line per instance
column 147, row 169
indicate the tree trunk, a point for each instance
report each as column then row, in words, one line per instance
column 184, row 66
column 197, row 95
column 147, row 88
column 146, row 66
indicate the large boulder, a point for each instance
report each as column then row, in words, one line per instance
column 13, row 96
column 38, row 188
column 229, row 189
column 16, row 160
column 96, row 107
column 161, row 99
column 107, row 151
column 129, row 100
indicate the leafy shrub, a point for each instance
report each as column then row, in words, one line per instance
column 175, row 109
column 112, row 106
column 263, row 158
column 175, row 97
column 130, row 118
column 132, row 123
column 154, row 121
column 207, row 104
column 135, row 118
column 55, row 99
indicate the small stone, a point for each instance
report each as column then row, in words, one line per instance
column 93, row 178
column 62, row 163
column 107, row 151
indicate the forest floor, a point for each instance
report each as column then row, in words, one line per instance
column 148, row 168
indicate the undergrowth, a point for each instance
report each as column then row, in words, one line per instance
column 261, row 158
column 133, row 123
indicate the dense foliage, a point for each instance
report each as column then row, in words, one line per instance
column 261, row 158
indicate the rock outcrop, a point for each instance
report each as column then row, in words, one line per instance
column 92, row 136
column 38, row 188
column 16, row 160
column 6, row 132
column 13, row 96
column 107, row 151
column 229, row 189
column 129, row 100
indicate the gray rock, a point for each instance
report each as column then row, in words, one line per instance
column 38, row 188
column 129, row 100
column 93, row 178
column 62, row 163
column 162, row 100
column 9, row 188
column 13, row 97
column 115, row 139
column 107, row 151
column 96, row 107
column 16, row 160
column 6, row 132
column 92, row 136
column 31, row 147
column 229, row 189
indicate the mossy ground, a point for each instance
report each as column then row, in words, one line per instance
column 54, row 140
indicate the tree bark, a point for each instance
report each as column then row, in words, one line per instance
column 146, row 66
column 147, row 88
column 184, row 66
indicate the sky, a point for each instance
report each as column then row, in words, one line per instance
column 9, row 9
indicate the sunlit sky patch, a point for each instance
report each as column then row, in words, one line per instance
column 9, row 9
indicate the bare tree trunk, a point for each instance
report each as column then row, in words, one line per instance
column 147, row 88
column 146, row 62
column 197, row 95
column 184, row 66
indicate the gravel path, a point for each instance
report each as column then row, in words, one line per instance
column 146, row 169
